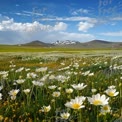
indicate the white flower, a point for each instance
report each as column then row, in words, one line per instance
column 91, row 74
column 31, row 75
column 69, row 91
column 12, row 66
column 27, row 69
column 61, row 78
column 86, row 73
column 52, row 87
column 51, row 77
column 76, row 103
column 62, row 63
column 1, row 87
column 37, row 83
column 80, row 98
column 44, row 78
column 76, row 65
column 26, row 91
column 111, row 87
column 46, row 108
column 56, row 94
column 13, row 93
column 20, row 69
column 111, row 92
column 79, row 86
column 105, row 109
column 3, row 72
column 65, row 115
column 1, row 96
column 42, row 69
column 98, row 100
column 20, row 81
column 93, row 90
column 59, row 88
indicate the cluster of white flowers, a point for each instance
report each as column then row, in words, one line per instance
column 37, row 83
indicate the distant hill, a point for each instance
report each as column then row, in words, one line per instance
column 92, row 44
column 37, row 43
column 103, row 44
column 75, row 44
column 99, row 41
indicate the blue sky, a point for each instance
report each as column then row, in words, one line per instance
column 23, row 21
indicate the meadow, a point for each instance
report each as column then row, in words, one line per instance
column 60, row 85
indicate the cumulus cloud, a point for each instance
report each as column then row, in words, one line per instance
column 84, row 26
column 6, row 25
column 60, row 26
column 12, row 32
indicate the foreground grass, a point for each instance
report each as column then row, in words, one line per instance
column 36, row 89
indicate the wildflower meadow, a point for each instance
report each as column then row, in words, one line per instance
column 61, row 89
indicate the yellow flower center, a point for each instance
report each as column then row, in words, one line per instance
column 14, row 93
column 105, row 108
column 46, row 109
column 76, row 106
column 111, row 94
column 97, row 102
column 65, row 117
column 56, row 95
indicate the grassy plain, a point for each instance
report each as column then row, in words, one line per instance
column 36, row 84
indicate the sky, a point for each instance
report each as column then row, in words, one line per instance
column 22, row 21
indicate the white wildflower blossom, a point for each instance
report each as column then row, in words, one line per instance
column 98, row 100
column 65, row 115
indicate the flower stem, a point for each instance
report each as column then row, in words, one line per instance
column 97, row 114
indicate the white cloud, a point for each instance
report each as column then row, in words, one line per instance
column 60, row 26
column 10, row 25
column 22, row 14
column 76, row 36
column 117, row 18
column 75, row 18
column 80, row 11
column 84, row 26
column 119, row 33
column 33, row 13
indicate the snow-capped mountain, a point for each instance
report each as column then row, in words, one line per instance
column 66, row 42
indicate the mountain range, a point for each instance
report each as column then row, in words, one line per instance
column 76, row 44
